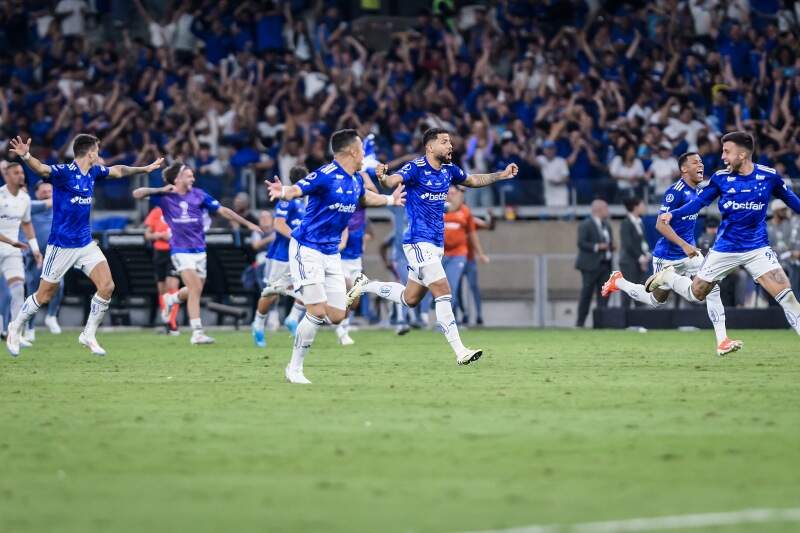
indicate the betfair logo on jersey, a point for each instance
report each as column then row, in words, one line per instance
column 433, row 197
column 343, row 208
column 745, row 206
column 80, row 200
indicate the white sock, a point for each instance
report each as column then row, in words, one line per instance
column 303, row 339
column 681, row 285
column 716, row 312
column 401, row 313
column 791, row 308
column 343, row 328
column 17, row 291
column 97, row 312
column 388, row 290
column 259, row 320
column 447, row 323
column 297, row 312
column 196, row 323
column 638, row 293
column 28, row 309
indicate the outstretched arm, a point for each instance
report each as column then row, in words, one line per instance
column 23, row 151
column 705, row 197
column 482, row 180
column 389, row 182
column 277, row 191
column 224, row 212
column 120, row 171
column 144, row 192
column 371, row 199
column 786, row 194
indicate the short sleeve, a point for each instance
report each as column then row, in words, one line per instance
column 210, row 204
column 408, row 172
column 314, row 183
column 26, row 217
column 457, row 175
column 149, row 221
column 101, row 171
column 363, row 191
column 669, row 202
column 59, row 174
column 282, row 209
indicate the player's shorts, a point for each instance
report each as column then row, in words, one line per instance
column 162, row 264
column 687, row 266
column 757, row 263
column 196, row 261
column 424, row 262
column 58, row 260
column 352, row 268
column 11, row 264
column 278, row 278
column 317, row 276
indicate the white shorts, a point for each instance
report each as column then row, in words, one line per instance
column 58, row 260
column 278, row 279
column 424, row 262
column 192, row 261
column 317, row 276
column 352, row 268
column 688, row 266
column 11, row 264
column 757, row 263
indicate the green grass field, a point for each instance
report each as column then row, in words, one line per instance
column 549, row 427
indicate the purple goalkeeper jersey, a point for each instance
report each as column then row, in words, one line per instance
column 183, row 214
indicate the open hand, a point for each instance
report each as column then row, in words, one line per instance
column 155, row 165
column 18, row 147
column 399, row 195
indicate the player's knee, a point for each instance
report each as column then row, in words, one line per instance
column 106, row 289
column 701, row 288
column 336, row 315
column 411, row 300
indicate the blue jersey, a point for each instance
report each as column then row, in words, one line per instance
column 356, row 229
column 743, row 201
column 72, row 204
column 680, row 194
column 426, row 192
column 333, row 197
column 292, row 211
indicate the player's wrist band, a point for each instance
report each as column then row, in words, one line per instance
column 389, row 199
column 33, row 244
column 283, row 192
column 26, row 156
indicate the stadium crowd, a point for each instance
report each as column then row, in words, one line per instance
column 588, row 99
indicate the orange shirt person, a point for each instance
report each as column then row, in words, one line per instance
column 157, row 231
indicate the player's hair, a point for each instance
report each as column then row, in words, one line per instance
column 297, row 173
column 342, row 139
column 82, row 143
column 740, row 138
column 684, row 156
column 431, row 134
column 631, row 203
column 172, row 171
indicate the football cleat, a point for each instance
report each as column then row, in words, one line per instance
column 52, row 324
column 357, row 289
column 296, row 376
column 258, row 336
column 91, row 343
column 291, row 325
column 198, row 337
column 610, row 286
column 346, row 340
column 468, row 356
column 729, row 346
column 657, row 280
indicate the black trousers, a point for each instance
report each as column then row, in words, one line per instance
column 592, row 282
column 632, row 273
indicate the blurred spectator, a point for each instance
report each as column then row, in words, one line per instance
column 634, row 252
column 261, row 241
column 555, row 175
column 241, row 206
column 595, row 247
column 663, row 170
column 628, row 171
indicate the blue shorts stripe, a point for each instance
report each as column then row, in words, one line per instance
column 298, row 257
column 50, row 261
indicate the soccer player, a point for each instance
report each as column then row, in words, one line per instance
column 288, row 215
column 427, row 180
column 351, row 256
column 70, row 243
column 167, row 282
column 334, row 193
column 677, row 249
column 15, row 211
column 744, row 190
column 183, row 206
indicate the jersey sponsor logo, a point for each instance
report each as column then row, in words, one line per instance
column 343, row 208
column 669, row 198
column 760, row 177
column 80, row 200
column 743, row 206
column 691, row 217
column 732, row 178
column 433, row 197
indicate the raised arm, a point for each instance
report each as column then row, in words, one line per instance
column 230, row 214
column 705, row 197
column 372, row 199
column 278, row 191
column 482, row 180
column 785, row 193
column 120, row 171
column 389, row 182
column 23, row 151
column 144, row 192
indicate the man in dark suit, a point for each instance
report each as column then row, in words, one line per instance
column 634, row 252
column 595, row 245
